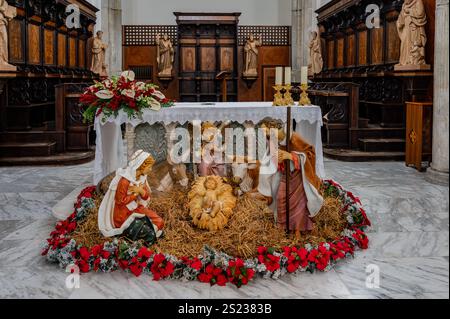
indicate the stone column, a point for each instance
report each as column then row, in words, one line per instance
column 439, row 171
column 111, row 25
column 296, row 38
column 304, row 20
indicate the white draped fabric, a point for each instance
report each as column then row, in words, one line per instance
column 110, row 151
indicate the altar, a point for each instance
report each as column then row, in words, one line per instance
column 149, row 131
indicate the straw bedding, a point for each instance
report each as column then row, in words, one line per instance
column 252, row 225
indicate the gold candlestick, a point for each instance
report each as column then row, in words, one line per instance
column 278, row 99
column 288, row 100
column 304, row 99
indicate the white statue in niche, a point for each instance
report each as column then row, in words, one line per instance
column 99, row 55
column 251, row 56
column 411, row 30
column 165, row 55
column 7, row 13
column 315, row 54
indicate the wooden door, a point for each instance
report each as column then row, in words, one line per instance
column 207, row 45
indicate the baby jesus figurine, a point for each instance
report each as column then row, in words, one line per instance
column 211, row 204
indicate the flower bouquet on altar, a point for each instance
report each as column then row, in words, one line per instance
column 122, row 92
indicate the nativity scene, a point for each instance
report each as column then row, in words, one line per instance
column 225, row 147
column 221, row 205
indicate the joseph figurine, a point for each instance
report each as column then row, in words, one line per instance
column 411, row 29
column 305, row 199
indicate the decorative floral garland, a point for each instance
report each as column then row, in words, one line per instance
column 212, row 267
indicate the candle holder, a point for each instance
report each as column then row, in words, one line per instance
column 304, row 98
column 288, row 99
column 278, row 99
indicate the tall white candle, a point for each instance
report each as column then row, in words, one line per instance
column 279, row 76
column 287, row 75
column 304, row 77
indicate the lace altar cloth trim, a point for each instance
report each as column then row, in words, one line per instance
column 237, row 112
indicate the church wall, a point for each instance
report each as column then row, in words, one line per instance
column 254, row 12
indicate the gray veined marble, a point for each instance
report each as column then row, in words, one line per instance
column 409, row 242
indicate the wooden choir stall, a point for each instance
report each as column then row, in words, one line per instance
column 36, row 126
column 362, row 87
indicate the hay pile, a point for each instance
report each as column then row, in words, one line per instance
column 252, row 225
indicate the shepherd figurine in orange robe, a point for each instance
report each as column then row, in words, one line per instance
column 128, row 197
column 305, row 200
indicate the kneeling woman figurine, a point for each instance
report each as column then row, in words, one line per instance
column 124, row 210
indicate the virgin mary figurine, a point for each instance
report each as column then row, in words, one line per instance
column 126, row 201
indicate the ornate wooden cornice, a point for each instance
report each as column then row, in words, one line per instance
column 354, row 8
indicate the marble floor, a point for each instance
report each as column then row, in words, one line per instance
column 409, row 242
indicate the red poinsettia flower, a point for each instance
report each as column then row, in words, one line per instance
column 123, row 264
column 84, row 253
column 361, row 238
column 96, row 250
column 238, row 274
column 105, row 254
column 161, row 267
column 213, row 275
column 296, row 258
column 266, row 257
column 145, row 253
column 83, row 265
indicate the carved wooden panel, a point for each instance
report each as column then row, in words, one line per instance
column 351, row 52
column 208, row 59
column 362, row 49
column 188, row 60
column 72, row 52
column 34, row 41
column 377, row 45
column 330, row 54
column 340, row 52
column 49, row 47
column 226, row 58
column 82, row 53
column 268, row 83
column 62, row 49
column 15, row 41
column 393, row 42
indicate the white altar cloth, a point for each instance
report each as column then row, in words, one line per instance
column 110, row 151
